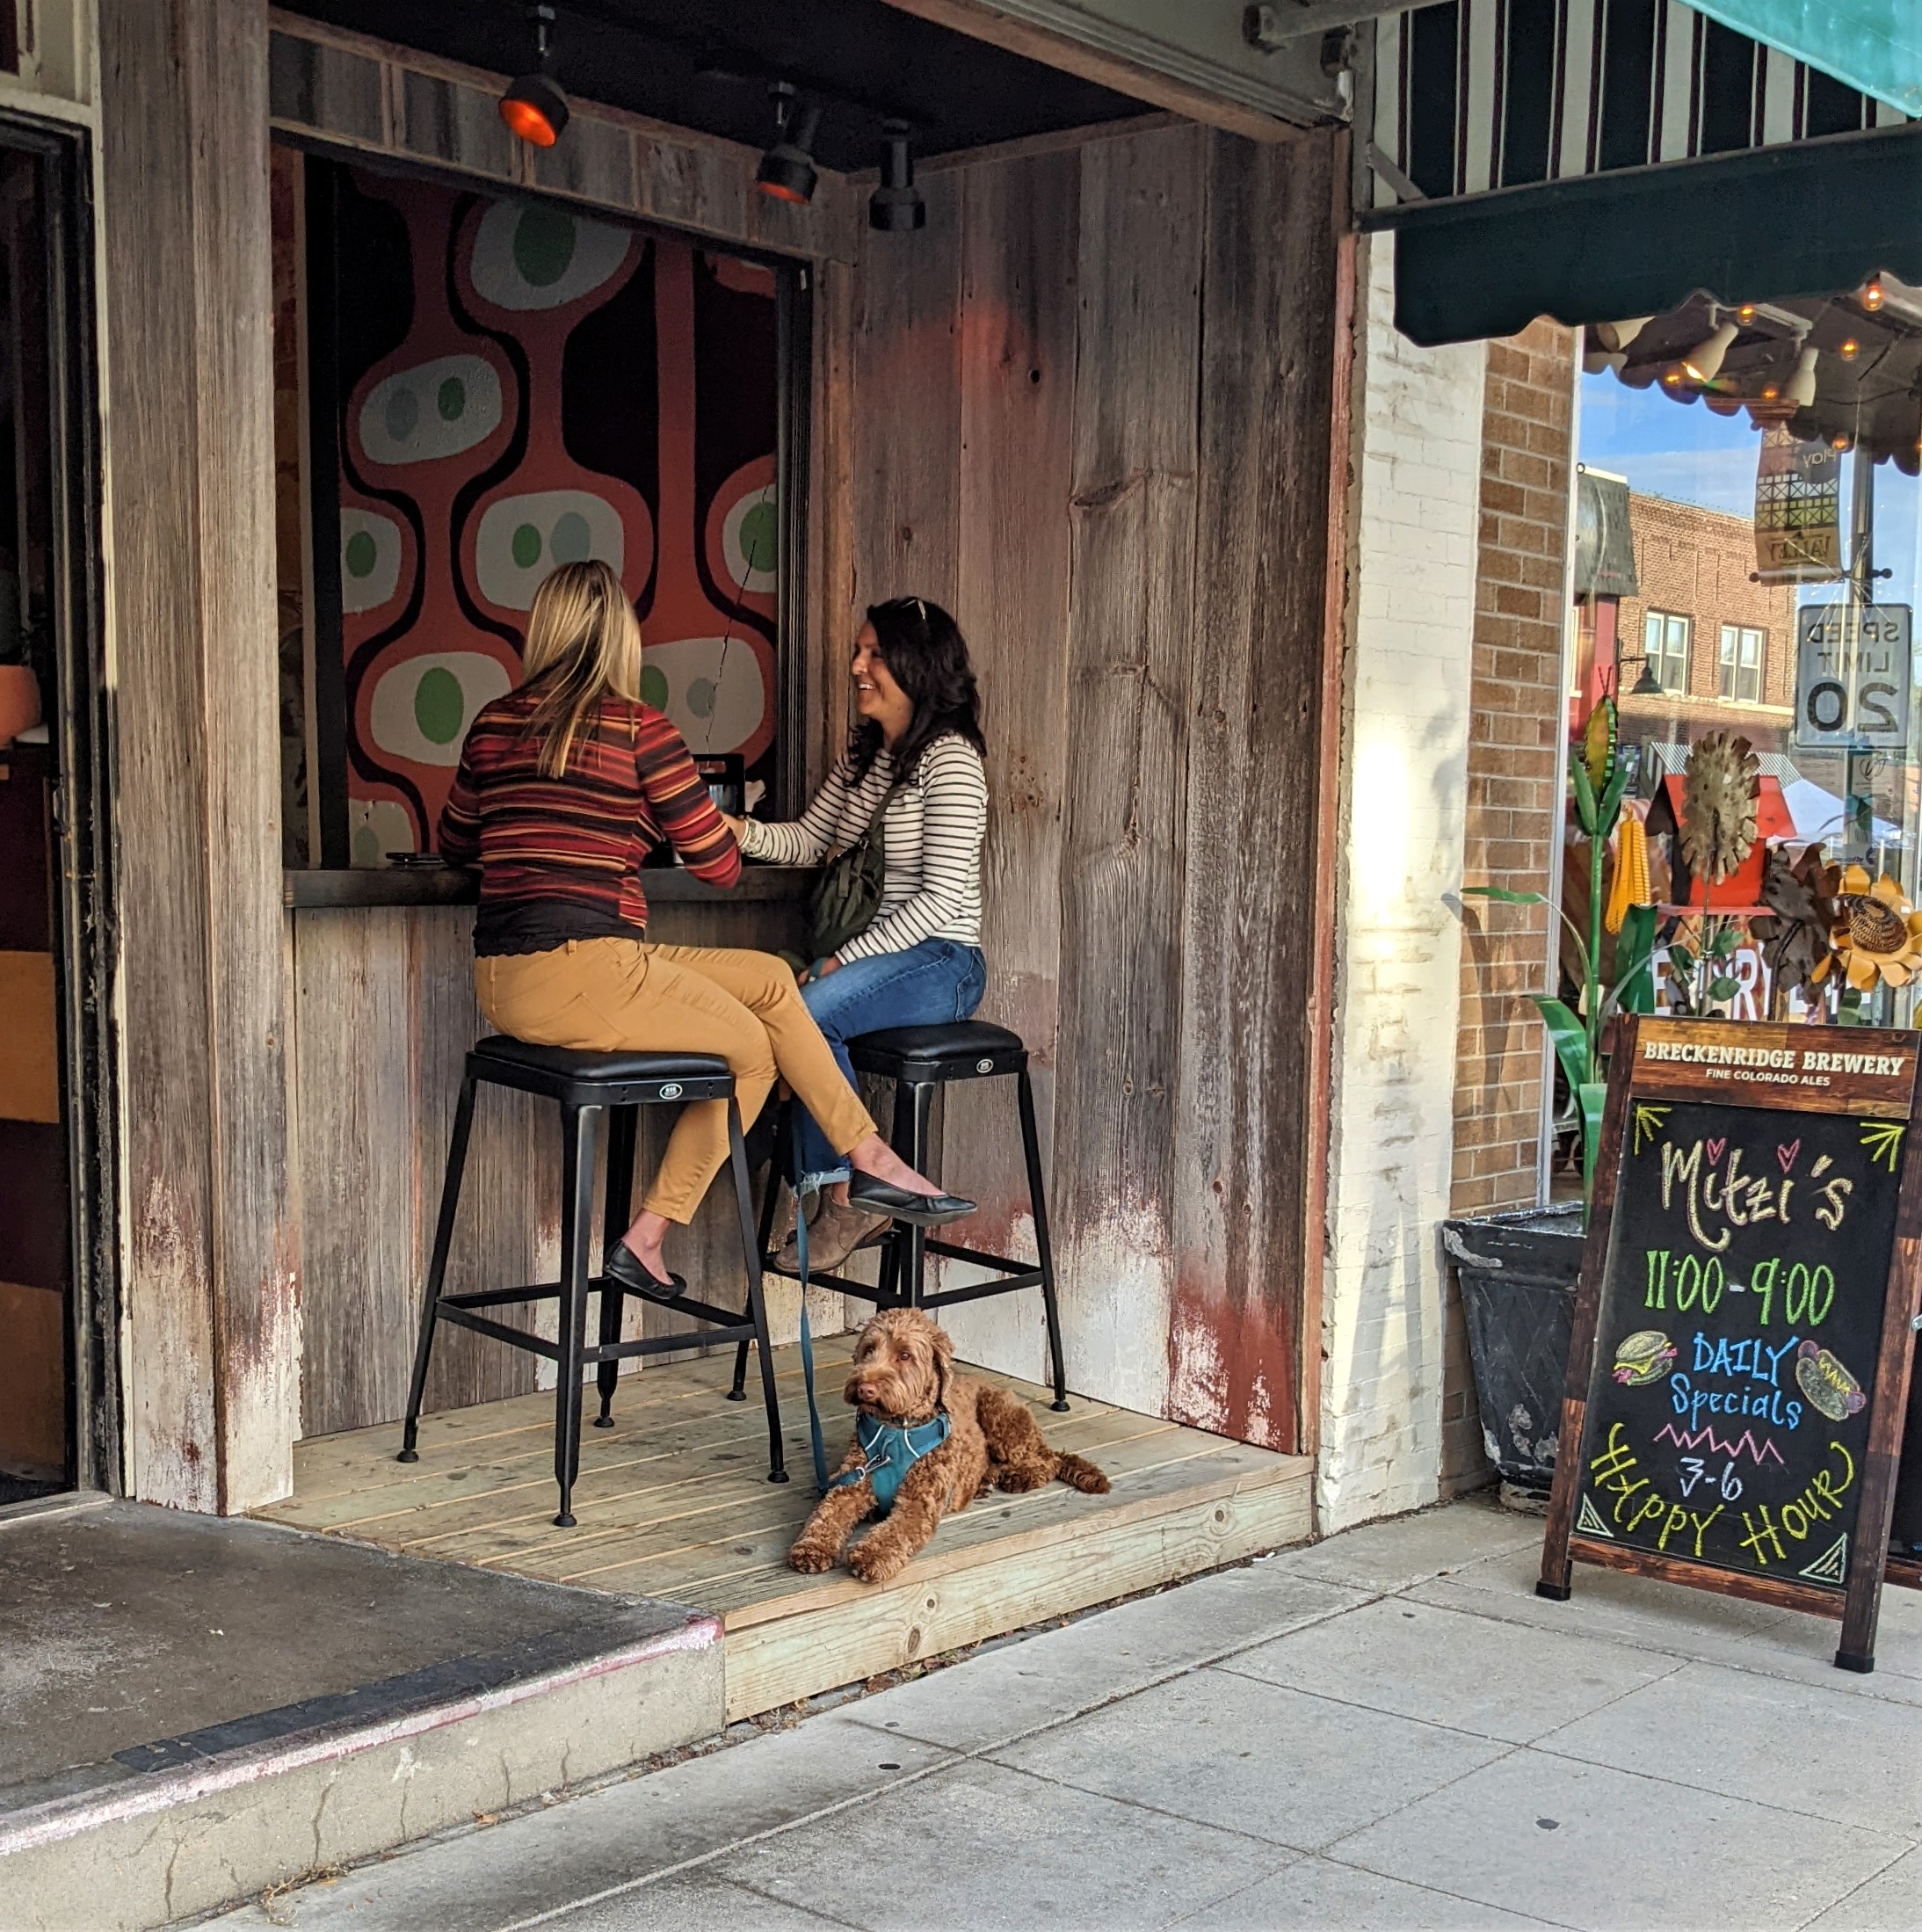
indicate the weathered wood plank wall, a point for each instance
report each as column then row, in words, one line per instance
column 1144, row 341
column 211, row 1287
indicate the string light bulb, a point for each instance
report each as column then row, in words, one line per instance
column 1873, row 297
column 1850, row 349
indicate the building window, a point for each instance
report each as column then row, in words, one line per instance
column 1741, row 664
column 1665, row 638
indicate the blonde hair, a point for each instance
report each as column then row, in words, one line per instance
column 584, row 641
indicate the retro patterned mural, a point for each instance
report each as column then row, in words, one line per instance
column 519, row 386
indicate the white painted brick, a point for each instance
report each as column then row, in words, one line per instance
column 1417, row 456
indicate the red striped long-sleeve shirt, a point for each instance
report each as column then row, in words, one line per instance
column 561, row 858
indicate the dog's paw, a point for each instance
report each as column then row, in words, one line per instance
column 810, row 1558
column 876, row 1562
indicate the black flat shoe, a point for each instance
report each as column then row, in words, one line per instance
column 622, row 1264
column 919, row 1211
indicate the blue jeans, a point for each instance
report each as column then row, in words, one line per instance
column 931, row 985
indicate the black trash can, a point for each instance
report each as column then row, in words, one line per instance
column 1517, row 1273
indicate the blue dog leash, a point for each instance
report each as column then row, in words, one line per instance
column 807, row 1337
column 888, row 1449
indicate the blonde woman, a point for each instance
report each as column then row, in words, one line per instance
column 565, row 786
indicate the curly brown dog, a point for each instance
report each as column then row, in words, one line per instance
column 902, row 1378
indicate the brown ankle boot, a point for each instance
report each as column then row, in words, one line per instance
column 834, row 1233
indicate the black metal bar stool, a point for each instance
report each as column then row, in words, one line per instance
column 588, row 1084
column 918, row 1059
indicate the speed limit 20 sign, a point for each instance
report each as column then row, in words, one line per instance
column 1852, row 676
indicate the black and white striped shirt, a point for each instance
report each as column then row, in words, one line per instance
column 932, row 838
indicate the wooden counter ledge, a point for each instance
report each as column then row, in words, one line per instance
column 318, row 890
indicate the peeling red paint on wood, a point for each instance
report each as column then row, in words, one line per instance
column 1231, row 1369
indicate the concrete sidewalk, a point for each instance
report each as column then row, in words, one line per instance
column 1389, row 1730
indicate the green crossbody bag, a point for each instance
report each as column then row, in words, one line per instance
column 847, row 895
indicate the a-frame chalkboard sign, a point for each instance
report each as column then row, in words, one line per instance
column 1739, row 1372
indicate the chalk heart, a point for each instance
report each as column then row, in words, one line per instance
column 1786, row 1152
column 1715, row 1148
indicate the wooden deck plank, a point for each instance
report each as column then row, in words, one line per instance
column 1002, row 1525
column 745, row 1568
column 627, row 1502
column 346, row 1465
column 674, row 1502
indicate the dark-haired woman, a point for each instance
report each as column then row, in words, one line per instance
column 917, row 749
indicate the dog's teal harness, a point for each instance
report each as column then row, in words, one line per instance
column 889, row 1451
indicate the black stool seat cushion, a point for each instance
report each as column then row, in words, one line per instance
column 573, row 1063
column 962, row 1051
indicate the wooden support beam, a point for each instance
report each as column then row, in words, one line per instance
column 187, row 298
column 1171, row 54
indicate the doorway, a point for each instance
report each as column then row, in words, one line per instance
column 58, row 1428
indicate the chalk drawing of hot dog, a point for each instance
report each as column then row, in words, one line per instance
column 1827, row 1383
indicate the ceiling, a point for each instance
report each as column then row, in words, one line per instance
column 1868, row 366
column 707, row 64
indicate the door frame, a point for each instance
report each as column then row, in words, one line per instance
column 82, row 730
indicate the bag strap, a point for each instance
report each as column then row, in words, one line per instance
column 874, row 819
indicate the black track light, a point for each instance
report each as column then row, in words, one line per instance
column 535, row 108
column 896, row 207
column 787, row 172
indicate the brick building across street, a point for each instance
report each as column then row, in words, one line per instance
column 1723, row 647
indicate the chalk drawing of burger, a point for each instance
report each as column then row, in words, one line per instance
column 1644, row 1357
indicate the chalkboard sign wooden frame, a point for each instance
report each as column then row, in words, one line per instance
column 1864, row 1074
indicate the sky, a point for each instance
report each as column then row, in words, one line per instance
column 1669, row 448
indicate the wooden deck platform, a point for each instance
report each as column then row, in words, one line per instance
column 675, row 1502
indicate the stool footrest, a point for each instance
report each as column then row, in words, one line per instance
column 981, row 1290
column 499, row 1297
column 729, row 1328
column 515, row 1338
column 1030, row 1271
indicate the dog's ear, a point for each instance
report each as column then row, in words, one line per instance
column 941, row 1345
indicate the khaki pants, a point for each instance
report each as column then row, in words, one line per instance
column 604, row 995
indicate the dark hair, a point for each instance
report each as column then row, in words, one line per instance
column 926, row 655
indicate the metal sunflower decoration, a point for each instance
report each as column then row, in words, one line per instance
column 1877, row 934
column 1723, row 785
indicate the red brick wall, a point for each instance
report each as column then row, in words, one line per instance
column 1511, row 810
column 1695, row 563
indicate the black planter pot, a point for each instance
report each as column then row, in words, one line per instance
column 1517, row 1273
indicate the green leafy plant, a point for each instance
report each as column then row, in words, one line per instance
column 1597, row 781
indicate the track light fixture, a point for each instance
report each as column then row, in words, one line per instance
column 1799, row 388
column 533, row 107
column 787, row 172
column 1703, row 362
column 1616, row 336
column 896, row 207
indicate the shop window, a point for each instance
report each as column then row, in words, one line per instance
column 473, row 391
column 1665, row 640
column 1741, row 678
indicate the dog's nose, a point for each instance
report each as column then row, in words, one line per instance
column 864, row 1391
